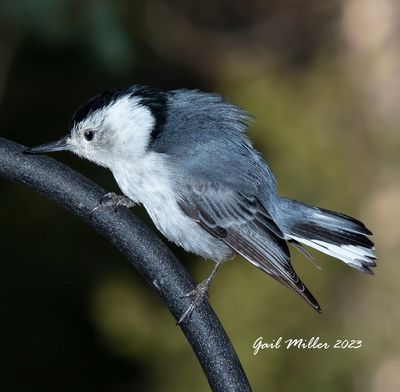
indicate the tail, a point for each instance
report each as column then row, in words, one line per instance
column 335, row 234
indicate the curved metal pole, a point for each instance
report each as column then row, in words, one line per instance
column 155, row 262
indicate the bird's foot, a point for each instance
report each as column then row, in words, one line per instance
column 197, row 296
column 111, row 199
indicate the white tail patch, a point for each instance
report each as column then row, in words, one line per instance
column 357, row 257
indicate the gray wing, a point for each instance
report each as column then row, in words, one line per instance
column 242, row 223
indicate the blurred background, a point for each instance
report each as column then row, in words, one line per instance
column 323, row 80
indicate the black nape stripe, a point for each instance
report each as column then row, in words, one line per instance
column 154, row 99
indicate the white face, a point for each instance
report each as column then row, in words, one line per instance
column 119, row 131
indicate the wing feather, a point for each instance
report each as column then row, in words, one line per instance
column 243, row 223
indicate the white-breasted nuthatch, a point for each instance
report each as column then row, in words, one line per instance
column 183, row 154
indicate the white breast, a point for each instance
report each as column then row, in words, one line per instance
column 147, row 181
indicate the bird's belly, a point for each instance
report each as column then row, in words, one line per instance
column 179, row 228
column 159, row 199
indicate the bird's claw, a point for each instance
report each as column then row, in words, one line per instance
column 197, row 295
column 111, row 199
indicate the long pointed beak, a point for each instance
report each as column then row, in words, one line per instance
column 58, row 145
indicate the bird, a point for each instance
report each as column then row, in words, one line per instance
column 185, row 156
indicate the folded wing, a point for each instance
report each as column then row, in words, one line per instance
column 242, row 223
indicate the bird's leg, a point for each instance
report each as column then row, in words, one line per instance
column 111, row 199
column 200, row 293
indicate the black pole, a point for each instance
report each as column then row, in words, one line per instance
column 155, row 262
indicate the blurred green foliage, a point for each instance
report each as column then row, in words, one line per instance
column 75, row 315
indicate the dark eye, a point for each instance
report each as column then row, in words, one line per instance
column 88, row 135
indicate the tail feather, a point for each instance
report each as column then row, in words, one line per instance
column 335, row 234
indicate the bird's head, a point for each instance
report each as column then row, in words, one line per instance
column 113, row 126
